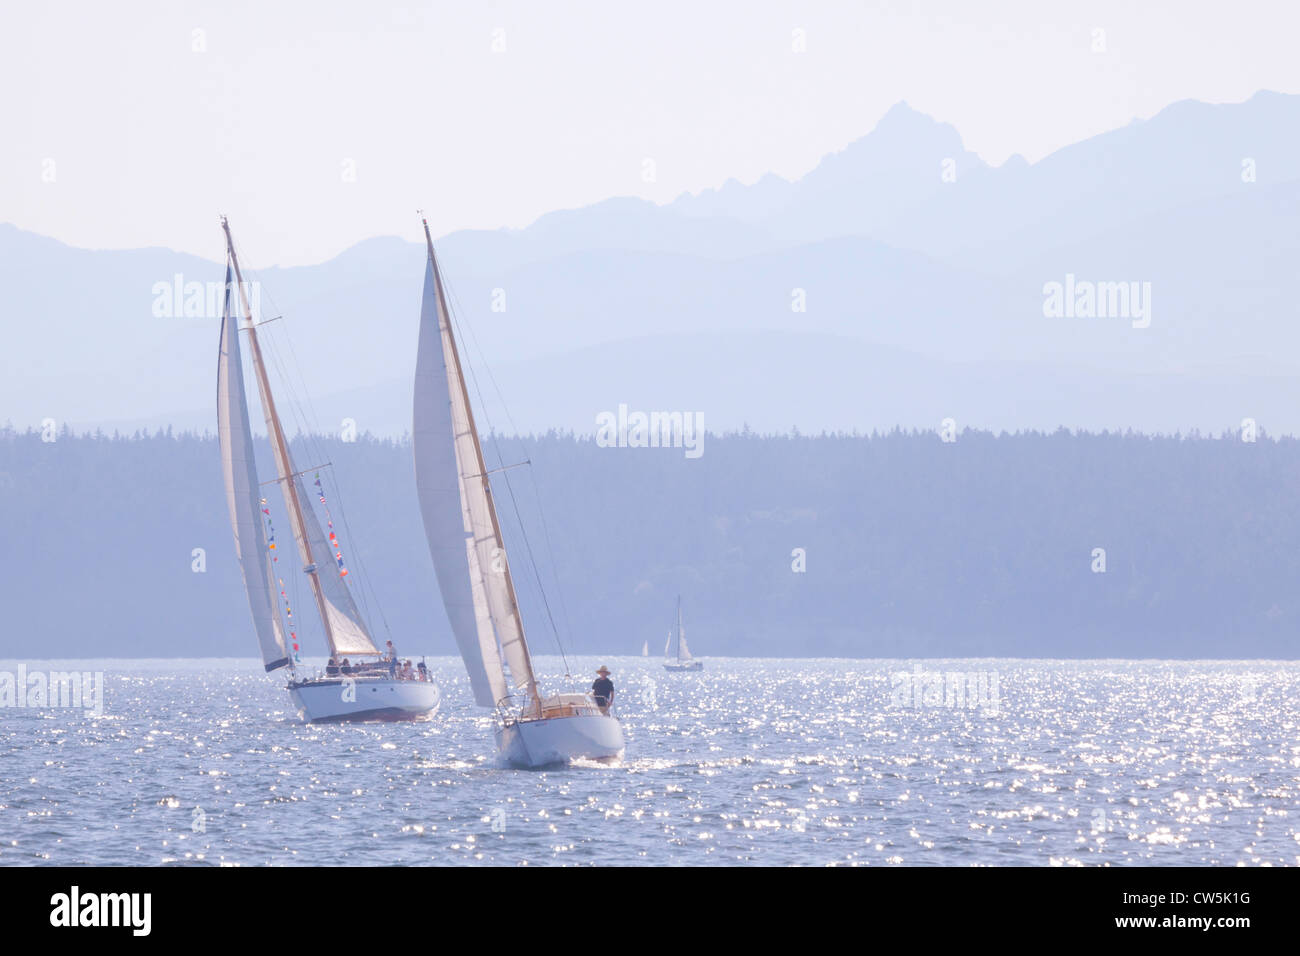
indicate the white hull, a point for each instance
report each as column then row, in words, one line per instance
column 365, row 698
column 685, row 666
column 553, row 740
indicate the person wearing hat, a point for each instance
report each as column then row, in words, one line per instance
column 603, row 690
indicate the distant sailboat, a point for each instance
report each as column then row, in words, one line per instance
column 683, row 660
column 368, row 694
column 460, row 523
column 645, row 649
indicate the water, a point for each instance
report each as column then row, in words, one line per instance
column 751, row 761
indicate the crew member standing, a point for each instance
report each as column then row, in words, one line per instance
column 603, row 690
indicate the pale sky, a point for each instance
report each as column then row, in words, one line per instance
column 315, row 125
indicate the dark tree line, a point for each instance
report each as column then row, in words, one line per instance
column 910, row 546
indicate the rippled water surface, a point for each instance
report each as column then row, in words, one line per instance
column 769, row 762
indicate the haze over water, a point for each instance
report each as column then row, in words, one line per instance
column 772, row 762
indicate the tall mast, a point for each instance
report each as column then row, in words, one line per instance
column 283, row 462
column 520, row 653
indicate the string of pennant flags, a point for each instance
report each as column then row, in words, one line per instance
column 334, row 541
column 275, row 560
column 288, row 609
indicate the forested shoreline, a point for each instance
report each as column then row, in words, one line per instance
column 909, row 546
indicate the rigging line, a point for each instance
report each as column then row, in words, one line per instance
column 296, row 474
column 365, row 589
column 271, row 346
column 366, row 592
column 310, row 420
column 454, row 317
column 291, row 580
column 300, row 409
column 309, row 436
column 536, row 574
column 537, row 495
column 303, row 414
column 536, row 491
column 291, row 574
column 232, row 314
column 312, row 435
column 286, row 590
column 546, row 536
column 366, row 584
column 493, row 471
column 454, row 309
column 289, row 376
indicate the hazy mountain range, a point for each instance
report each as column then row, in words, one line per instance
column 901, row 281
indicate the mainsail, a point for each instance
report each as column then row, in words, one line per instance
column 683, row 652
column 460, row 520
column 240, row 473
column 680, row 642
column 344, row 630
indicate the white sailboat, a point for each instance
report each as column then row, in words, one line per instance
column 460, row 522
column 683, row 661
column 368, row 693
column 645, row 649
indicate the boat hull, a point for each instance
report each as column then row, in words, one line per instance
column 364, row 698
column 554, row 740
column 685, row 666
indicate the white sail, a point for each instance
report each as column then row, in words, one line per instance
column 645, row 649
column 348, row 634
column 683, row 652
column 679, row 627
column 455, row 497
column 487, row 641
column 344, row 631
column 668, row 644
column 240, row 473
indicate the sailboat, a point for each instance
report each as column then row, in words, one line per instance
column 683, row 660
column 469, row 557
column 369, row 692
column 645, row 649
